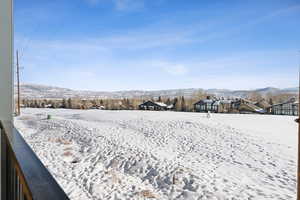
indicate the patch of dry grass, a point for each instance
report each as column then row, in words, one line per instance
column 147, row 194
column 114, row 177
column 61, row 141
column 67, row 153
column 68, row 149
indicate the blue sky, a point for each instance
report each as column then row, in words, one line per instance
column 158, row 44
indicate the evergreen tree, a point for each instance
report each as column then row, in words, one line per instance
column 83, row 104
column 93, row 103
column 178, row 104
column 271, row 101
column 36, row 105
column 168, row 102
column 175, row 103
column 69, row 105
column 183, row 105
column 128, row 104
column 159, row 99
column 64, row 103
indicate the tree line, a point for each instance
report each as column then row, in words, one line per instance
column 180, row 103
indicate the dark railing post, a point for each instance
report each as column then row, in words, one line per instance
column 3, row 165
column 24, row 177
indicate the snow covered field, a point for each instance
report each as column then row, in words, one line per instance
column 97, row 154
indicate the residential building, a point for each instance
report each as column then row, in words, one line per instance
column 150, row 105
column 290, row 107
column 263, row 104
column 212, row 105
column 246, row 107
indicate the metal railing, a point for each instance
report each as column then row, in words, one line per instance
column 23, row 176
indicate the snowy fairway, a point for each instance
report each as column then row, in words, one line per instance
column 116, row 155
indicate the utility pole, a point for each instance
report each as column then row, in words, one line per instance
column 18, row 85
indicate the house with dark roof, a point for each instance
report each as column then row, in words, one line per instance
column 290, row 107
column 246, row 106
column 224, row 106
column 150, row 105
column 212, row 105
column 263, row 104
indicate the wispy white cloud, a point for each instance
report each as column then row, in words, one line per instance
column 165, row 35
column 238, row 28
column 276, row 13
column 106, row 71
column 96, row 58
column 158, row 35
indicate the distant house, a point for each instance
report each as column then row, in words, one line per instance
column 149, row 105
column 205, row 105
column 225, row 106
column 246, row 106
column 98, row 107
column 101, row 107
column 49, row 106
column 212, row 105
column 263, row 104
column 290, row 107
column 170, row 107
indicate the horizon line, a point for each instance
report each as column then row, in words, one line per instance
column 153, row 90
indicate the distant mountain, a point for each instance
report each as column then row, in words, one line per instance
column 268, row 90
column 34, row 91
column 291, row 90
